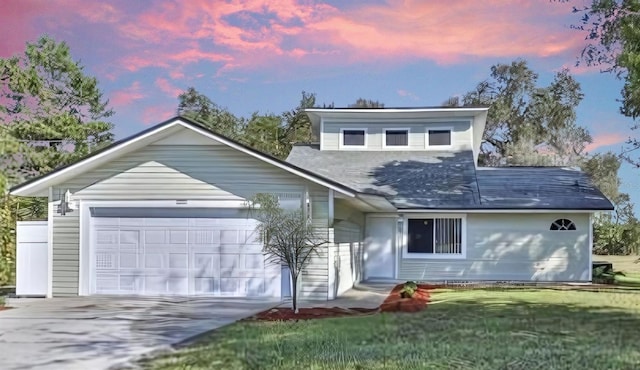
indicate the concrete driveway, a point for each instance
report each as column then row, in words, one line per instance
column 103, row 332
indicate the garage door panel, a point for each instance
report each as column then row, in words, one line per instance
column 204, row 237
column 181, row 256
column 178, row 260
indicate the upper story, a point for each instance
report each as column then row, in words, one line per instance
column 402, row 129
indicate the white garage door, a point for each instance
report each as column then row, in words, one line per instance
column 180, row 256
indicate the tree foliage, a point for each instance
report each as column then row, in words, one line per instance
column 613, row 32
column 49, row 102
column 528, row 124
column 198, row 107
column 51, row 114
column 289, row 237
column 270, row 133
column 366, row 103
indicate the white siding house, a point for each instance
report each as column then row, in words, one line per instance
column 397, row 193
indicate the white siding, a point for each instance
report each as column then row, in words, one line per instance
column 460, row 137
column 347, row 252
column 182, row 172
column 315, row 281
column 512, row 247
column 171, row 172
column 66, row 241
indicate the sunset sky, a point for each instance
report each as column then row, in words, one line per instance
column 259, row 55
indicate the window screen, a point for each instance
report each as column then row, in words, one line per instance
column 439, row 137
column 353, row 137
column 396, row 138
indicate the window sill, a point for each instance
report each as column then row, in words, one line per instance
column 431, row 256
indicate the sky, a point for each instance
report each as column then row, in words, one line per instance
column 258, row 56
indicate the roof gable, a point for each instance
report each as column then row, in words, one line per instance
column 157, row 134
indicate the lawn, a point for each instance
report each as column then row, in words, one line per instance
column 624, row 264
column 523, row 328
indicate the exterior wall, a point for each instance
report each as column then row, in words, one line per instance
column 315, row 276
column 347, row 253
column 461, row 136
column 65, row 254
column 172, row 172
column 512, row 247
column 380, row 247
column 213, row 172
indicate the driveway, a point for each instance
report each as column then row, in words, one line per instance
column 102, row 332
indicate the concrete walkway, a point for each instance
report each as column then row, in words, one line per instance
column 104, row 332
column 363, row 295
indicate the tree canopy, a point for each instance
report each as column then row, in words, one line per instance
column 612, row 28
column 51, row 107
column 528, row 124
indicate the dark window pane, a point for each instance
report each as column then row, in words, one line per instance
column 353, row 137
column 397, row 138
column 420, row 236
column 439, row 137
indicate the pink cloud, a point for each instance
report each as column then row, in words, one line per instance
column 127, row 96
column 156, row 114
column 278, row 34
column 165, row 86
column 606, row 139
column 407, row 94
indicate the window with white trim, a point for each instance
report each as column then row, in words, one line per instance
column 562, row 224
column 433, row 237
column 439, row 137
column 396, row 137
column 354, row 137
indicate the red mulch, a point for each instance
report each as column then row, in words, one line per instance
column 4, row 308
column 393, row 303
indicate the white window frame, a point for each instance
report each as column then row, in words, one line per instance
column 366, row 138
column 391, row 147
column 428, row 145
column 463, row 237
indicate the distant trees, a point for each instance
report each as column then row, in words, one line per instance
column 366, row 103
column 269, row 133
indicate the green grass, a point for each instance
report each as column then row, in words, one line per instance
column 624, row 264
column 523, row 328
column 1, row 301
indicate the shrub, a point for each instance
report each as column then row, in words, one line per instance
column 409, row 289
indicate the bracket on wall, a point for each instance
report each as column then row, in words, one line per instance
column 66, row 205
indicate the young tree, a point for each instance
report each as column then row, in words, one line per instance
column 288, row 236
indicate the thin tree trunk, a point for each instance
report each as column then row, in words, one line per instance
column 294, row 280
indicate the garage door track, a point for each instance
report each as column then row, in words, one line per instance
column 104, row 332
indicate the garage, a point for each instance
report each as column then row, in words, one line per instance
column 179, row 252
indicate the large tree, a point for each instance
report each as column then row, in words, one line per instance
column 528, row 124
column 613, row 30
column 51, row 114
column 49, row 104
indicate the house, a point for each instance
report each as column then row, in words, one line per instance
column 398, row 192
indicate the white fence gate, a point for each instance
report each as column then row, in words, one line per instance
column 32, row 267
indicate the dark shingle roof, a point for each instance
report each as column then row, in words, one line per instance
column 449, row 180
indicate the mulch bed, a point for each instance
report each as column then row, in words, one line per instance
column 393, row 303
